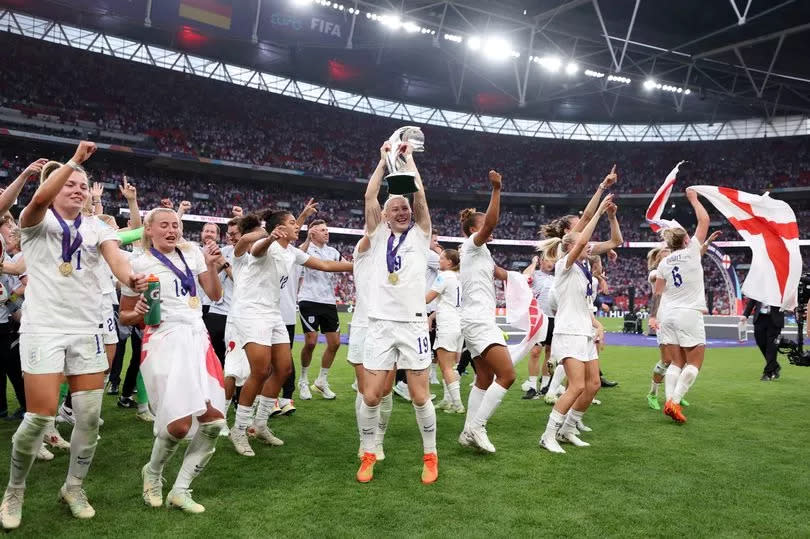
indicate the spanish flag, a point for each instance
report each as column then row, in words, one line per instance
column 214, row 12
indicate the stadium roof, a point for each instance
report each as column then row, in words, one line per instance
column 686, row 61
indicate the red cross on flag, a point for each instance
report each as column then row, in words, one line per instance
column 769, row 227
column 659, row 203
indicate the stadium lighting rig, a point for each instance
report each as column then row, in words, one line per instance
column 652, row 84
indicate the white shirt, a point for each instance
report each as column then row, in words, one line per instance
column 361, row 273
column 477, row 277
column 430, row 276
column 174, row 298
column 289, row 293
column 319, row 286
column 541, row 288
column 239, row 263
column 56, row 303
column 11, row 283
column 448, row 303
column 683, row 273
column 257, row 293
column 405, row 300
column 573, row 302
column 223, row 306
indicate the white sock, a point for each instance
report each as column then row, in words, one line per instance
column 572, row 418
column 432, row 372
column 671, row 380
column 143, row 407
column 446, row 392
column 84, row 438
column 369, row 419
column 162, row 450
column 473, row 403
column 426, row 419
column 654, row 388
column 556, row 380
column 685, row 381
column 358, row 400
column 386, row 406
column 304, row 376
column 555, row 423
column 25, row 445
column 263, row 411
column 492, row 399
column 283, row 402
column 544, row 381
column 454, row 389
column 244, row 415
column 323, row 374
column 199, row 453
column 533, row 382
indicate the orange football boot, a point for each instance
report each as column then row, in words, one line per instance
column 430, row 471
column 366, row 471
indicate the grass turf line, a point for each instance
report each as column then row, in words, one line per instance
column 736, row 468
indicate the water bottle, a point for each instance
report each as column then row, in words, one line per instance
column 152, row 296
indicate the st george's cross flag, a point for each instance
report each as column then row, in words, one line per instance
column 524, row 313
column 659, row 203
column 769, row 228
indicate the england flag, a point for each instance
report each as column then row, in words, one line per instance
column 659, row 203
column 769, row 227
column 523, row 312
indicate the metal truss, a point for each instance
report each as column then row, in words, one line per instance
column 103, row 43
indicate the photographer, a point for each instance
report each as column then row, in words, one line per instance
column 768, row 323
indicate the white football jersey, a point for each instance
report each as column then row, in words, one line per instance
column 289, row 295
column 405, row 300
column 362, row 275
column 448, row 303
column 574, row 311
column 239, row 263
column 258, row 289
column 477, row 278
column 683, row 273
column 55, row 303
column 10, row 282
column 541, row 288
column 430, row 276
column 174, row 297
column 223, row 306
column 319, row 286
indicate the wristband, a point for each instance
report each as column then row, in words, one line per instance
column 224, row 266
column 74, row 165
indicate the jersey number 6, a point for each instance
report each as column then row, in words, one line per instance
column 677, row 280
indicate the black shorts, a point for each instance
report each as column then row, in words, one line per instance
column 318, row 317
column 291, row 333
column 550, row 333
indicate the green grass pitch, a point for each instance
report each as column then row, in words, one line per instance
column 737, row 468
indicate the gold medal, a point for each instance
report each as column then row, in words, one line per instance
column 393, row 278
column 66, row 268
column 194, row 302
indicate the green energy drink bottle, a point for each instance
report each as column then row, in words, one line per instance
column 152, row 318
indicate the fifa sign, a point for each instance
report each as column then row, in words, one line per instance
column 305, row 28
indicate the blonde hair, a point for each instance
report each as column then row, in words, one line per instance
column 147, row 222
column 550, row 249
column 453, row 257
column 394, row 197
column 52, row 166
column 654, row 257
column 675, row 238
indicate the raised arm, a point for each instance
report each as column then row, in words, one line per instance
column 34, row 212
column 311, row 208
column 10, row 193
column 593, row 204
column 700, row 212
column 531, row 268
column 705, row 247
column 131, row 194
column 616, row 237
column 209, row 279
column 372, row 204
column 587, row 232
column 261, row 246
column 248, row 239
column 96, row 191
column 493, row 210
column 421, row 214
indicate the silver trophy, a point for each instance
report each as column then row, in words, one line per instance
column 403, row 182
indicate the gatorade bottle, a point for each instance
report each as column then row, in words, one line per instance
column 152, row 295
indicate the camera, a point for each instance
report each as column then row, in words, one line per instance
column 795, row 350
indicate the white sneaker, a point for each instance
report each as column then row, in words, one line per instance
column 596, row 402
column 241, row 443
column 322, row 387
column 550, row 399
column 401, row 389
column 354, row 385
column 443, row 404
column 464, row 439
column 583, row 427
column 549, row 443
column 379, row 453
column 276, row 408
column 11, row 507
column 76, row 500
column 100, row 421
column 434, row 379
column 454, row 409
column 44, row 454
column 152, row 487
column 263, row 434
column 571, row 438
column 52, row 437
column 146, row 415
column 181, row 499
column 479, row 438
column 224, row 431
column 303, row 390
column 65, row 415
column 525, row 386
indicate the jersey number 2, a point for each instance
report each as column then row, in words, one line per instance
column 677, row 280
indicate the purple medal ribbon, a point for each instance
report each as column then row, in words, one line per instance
column 69, row 248
column 186, row 278
column 588, row 275
column 391, row 251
